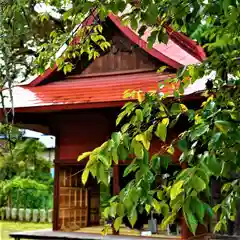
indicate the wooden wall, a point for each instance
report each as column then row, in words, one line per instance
column 82, row 131
column 123, row 56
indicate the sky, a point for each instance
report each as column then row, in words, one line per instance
column 47, row 140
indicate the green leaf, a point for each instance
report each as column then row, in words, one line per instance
column 226, row 187
column 147, row 208
column 197, row 183
column 155, row 161
column 168, row 220
column 160, row 195
column 67, row 14
column 126, row 141
column 115, row 155
column 218, row 227
column 123, row 152
column 120, row 209
column 162, row 69
column 134, row 23
column 171, row 150
column 156, row 205
column 138, row 149
column 116, row 136
column 133, row 217
column 176, row 189
column 113, row 210
column 139, row 114
column 203, row 175
column 85, row 176
column 151, row 39
column 190, row 218
column 130, row 168
column 223, row 126
column 185, row 174
column 152, row 13
column 161, row 131
column 216, row 208
column 104, row 159
column 198, row 209
column 215, row 140
column 143, row 138
column 117, row 223
column 225, row 5
column 165, row 121
column 199, row 131
column 182, row 145
column 125, row 127
column 164, row 209
column 83, row 156
column 214, row 165
column 103, row 174
column 163, row 36
column 120, row 117
column 106, row 212
column 175, row 108
column 164, row 161
column 121, row 5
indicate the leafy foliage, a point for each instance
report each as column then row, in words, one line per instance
column 25, row 193
column 209, row 146
column 25, row 174
column 184, row 192
column 25, row 160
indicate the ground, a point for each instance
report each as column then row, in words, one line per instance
column 7, row 227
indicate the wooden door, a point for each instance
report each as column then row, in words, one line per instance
column 73, row 204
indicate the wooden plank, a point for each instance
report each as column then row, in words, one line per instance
column 116, row 186
column 55, row 235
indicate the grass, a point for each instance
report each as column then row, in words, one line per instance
column 7, row 227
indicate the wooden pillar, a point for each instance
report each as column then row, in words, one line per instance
column 56, row 196
column 185, row 232
column 116, row 188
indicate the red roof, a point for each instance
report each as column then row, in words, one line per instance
column 104, row 91
column 87, row 92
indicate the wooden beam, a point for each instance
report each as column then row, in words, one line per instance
column 56, row 188
column 116, row 186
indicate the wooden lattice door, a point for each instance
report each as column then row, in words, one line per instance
column 73, row 204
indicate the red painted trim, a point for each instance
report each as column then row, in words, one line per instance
column 186, row 43
column 142, row 44
column 62, row 107
column 43, row 76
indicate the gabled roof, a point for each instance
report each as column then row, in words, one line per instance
column 105, row 91
column 179, row 51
